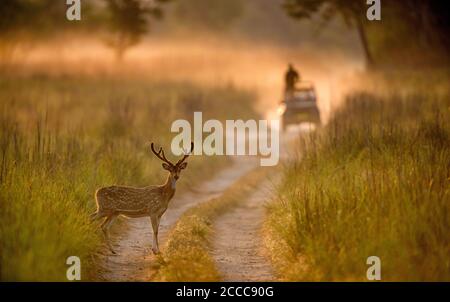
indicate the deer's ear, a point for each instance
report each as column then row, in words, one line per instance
column 183, row 166
column 166, row 166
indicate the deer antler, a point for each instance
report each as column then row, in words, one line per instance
column 186, row 155
column 160, row 154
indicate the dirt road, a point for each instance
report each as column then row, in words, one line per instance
column 134, row 260
column 237, row 244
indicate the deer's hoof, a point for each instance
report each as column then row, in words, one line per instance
column 155, row 251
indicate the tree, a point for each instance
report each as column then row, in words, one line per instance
column 353, row 13
column 23, row 23
column 129, row 22
column 429, row 19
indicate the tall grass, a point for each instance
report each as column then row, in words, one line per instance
column 63, row 137
column 376, row 182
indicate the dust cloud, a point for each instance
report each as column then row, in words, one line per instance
column 251, row 52
column 257, row 67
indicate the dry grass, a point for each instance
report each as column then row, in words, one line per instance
column 376, row 181
column 61, row 137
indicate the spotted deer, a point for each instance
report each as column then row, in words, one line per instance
column 151, row 201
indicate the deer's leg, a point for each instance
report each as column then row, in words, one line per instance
column 95, row 216
column 105, row 228
column 155, row 226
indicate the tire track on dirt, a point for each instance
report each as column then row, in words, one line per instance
column 237, row 243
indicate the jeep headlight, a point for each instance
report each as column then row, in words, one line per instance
column 281, row 109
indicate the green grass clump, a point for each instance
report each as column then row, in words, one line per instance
column 61, row 138
column 375, row 181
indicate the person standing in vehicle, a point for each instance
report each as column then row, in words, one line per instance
column 291, row 78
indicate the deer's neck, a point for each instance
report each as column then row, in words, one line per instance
column 170, row 184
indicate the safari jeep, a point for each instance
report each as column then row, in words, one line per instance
column 299, row 106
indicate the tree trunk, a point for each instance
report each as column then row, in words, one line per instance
column 120, row 47
column 370, row 63
column 120, row 52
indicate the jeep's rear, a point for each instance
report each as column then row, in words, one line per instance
column 300, row 105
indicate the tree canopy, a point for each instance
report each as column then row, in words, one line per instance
column 124, row 21
column 129, row 21
column 424, row 23
column 352, row 12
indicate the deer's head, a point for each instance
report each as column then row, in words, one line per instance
column 174, row 169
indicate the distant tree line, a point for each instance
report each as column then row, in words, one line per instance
column 422, row 23
column 211, row 14
column 124, row 21
column 410, row 25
